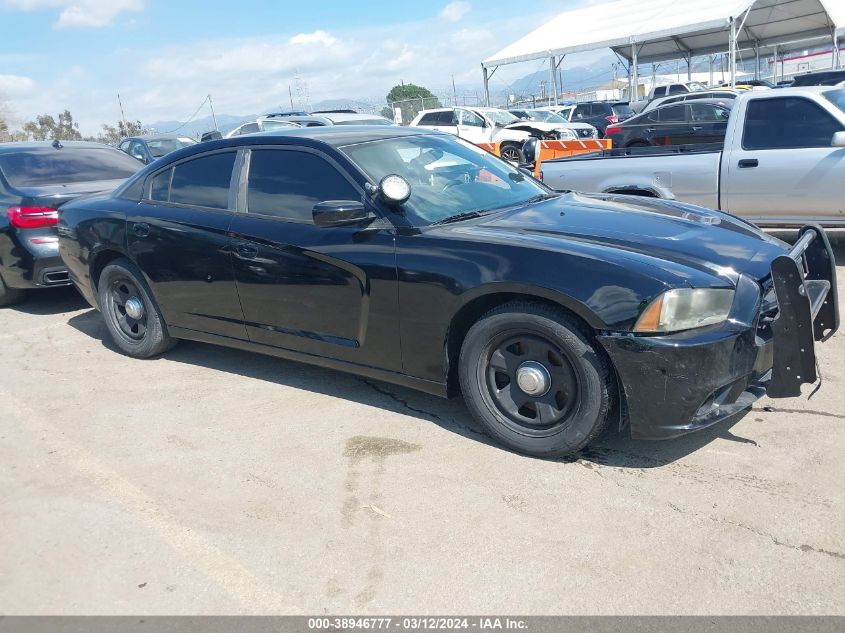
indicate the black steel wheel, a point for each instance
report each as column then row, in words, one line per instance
column 530, row 373
column 131, row 314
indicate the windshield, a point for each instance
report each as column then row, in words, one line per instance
column 499, row 117
column 448, row 176
column 547, row 116
column 42, row 167
column 837, row 98
column 160, row 147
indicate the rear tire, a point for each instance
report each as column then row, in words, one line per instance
column 10, row 296
column 520, row 349
column 130, row 312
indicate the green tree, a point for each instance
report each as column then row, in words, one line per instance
column 45, row 127
column 114, row 133
column 411, row 99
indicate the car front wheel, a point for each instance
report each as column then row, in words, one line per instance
column 531, row 375
column 132, row 317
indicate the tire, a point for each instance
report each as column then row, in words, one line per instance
column 141, row 337
column 10, row 296
column 580, row 389
column 513, row 151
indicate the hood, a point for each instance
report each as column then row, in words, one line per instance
column 707, row 241
column 542, row 126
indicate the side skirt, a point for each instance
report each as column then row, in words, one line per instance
column 427, row 386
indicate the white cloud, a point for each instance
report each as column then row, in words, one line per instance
column 78, row 13
column 455, row 11
column 14, row 86
column 317, row 37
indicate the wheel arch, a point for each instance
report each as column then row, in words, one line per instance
column 486, row 299
column 99, row 260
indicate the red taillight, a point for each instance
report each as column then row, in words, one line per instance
column 32, row 217
column 612, row 129
column 612, row 118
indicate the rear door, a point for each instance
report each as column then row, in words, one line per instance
column 671, row 127
column 783, row 165
column 708, row 122
column 178, row 238
column 325, row 291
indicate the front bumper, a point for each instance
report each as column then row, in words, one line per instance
column 678, row 383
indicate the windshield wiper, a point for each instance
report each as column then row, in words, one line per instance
column 541, row 197
column 460, row 217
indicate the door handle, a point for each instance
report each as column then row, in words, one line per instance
column 246, row 251
column 141, row 229
column 747, row 163
column 696, row 128
column 651, row 129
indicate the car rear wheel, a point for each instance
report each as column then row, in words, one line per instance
column 532, row 377
column 131, row 315
column 10, row 296
column 511, row 153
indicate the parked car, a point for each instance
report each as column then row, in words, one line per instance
column 722, row 96
column 819, row 78
column 698, row 121
column 492, row 125
column 583, row 130
column 415, row 258
column 152, row 146
column 563, row 110
column 600, row 114
column 338, row 118
column 35, row 179
column 268, row 123
column 669, row 90
column 782, row 163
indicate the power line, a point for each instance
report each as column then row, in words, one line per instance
column 191, row 118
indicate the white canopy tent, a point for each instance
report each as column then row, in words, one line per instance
column 651, row 31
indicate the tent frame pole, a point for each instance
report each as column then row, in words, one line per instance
column 756, row 60
column 486, row 87
column 733, row 53
column 835, row 56
column 635, row 76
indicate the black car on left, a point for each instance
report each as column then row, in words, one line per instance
column 699, row 121
column 35, row 179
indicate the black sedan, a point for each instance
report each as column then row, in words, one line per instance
column 699, row 121
column 150, row 147
column 35, row 178
column 418, row 259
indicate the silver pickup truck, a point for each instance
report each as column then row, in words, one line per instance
column 782, row 163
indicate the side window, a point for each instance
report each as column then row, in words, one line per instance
column 429, row 119
column 204, row 181
column 676, row 89
column 288, row 183
column 446, row 117
column 470, row 119
column 673, row 114
column 136, row 150
column 249, row 128
column 708, row 113
column 124, row 146
column 581, row 112
column 160, row 186
column 787, row 122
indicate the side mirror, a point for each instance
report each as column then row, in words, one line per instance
column 340, row 213
column 838, row 140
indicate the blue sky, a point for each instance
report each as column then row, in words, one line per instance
column 164, row 56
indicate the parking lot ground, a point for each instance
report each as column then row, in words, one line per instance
column 216, row 481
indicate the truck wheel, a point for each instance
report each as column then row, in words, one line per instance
column 511, row 152
column 532, row 377
column 10, row 296
column 131, row 315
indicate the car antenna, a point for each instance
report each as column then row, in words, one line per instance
column 57, row 144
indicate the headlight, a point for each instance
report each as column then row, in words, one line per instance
column 685, row 309
column 566, row 134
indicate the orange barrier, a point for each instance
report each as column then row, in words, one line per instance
column 546, row 150
column 493, row 148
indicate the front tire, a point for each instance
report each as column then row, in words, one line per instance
column 10, row 296
column 131, row 315
column 533, row 378
column 512, row 153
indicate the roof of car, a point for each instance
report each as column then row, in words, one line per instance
column 156, row 137
column 338, row 135
column 47, row 145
